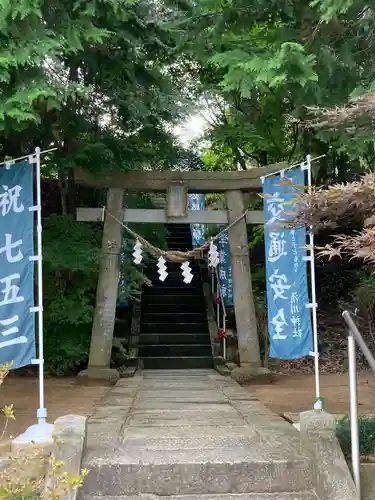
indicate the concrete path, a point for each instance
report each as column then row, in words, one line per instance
column 192, row 435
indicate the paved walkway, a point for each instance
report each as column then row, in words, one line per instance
column 192, row 432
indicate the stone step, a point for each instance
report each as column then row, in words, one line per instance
column 179, row 242
column 196, row 307
column 177, row 363
column 167, row 300
column 174, row 327
column 228, row 496
column 177, row 317
column 177, row 283
column 181, row 290
column 173, row 351
column 175, row 231
column 192, row 472
column 173, row 338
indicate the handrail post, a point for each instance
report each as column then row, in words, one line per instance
column 354, row 431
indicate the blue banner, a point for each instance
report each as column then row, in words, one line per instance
column 225, row 270
column 17, row 322
column 289, row 321
column 196, row 202
column 121, row 302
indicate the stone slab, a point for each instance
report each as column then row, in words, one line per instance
column 207, row 431
column 117, row 400
column 147, row 420
column 68, row 447
column 178, row 406
column 229, row 496
column 198, row 372
column 333, row 478
column 125, row 390
column 209, row 396
column 111, row 410
column 176, row 385
column 191, row 433
column 253, row 451
column 368, row 481
column 208, row 478
column 131, row 444
column 103, row 434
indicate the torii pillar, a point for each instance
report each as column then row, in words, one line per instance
column 106, row 297
column 244, row 307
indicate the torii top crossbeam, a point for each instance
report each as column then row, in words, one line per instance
column 195, row 181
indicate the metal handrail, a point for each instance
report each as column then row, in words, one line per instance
column 359, row 339
column 354, row 336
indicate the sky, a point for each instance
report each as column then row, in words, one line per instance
column 191, row 129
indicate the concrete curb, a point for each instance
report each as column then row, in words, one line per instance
column 69, row 444
column 333, row 480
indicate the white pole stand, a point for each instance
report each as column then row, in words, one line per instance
column 40, row 434
column 318, row 403
column 37, row 434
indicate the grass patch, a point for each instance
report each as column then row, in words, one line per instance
column 366, row 436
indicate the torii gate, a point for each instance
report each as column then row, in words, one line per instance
column 234, row 184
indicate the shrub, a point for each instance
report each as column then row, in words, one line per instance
column 366, row 436
column 23, row 477
column 364, row 301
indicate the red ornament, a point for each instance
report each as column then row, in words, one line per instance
column 217, row 300
column 222, row 333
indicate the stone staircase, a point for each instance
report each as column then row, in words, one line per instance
column 174, row 330
column 192, row 435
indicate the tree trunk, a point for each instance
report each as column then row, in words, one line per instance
column 63, row 197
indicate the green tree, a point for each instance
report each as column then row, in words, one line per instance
column 98, row 81
column 268, row 63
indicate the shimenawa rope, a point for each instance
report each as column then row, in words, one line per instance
column 175, row 255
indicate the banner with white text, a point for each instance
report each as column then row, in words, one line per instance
column 17, row 322
column 196, row 201
column 225, row 269
column 289, row 321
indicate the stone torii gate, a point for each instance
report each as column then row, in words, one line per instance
column 236, row 186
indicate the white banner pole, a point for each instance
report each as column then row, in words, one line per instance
column 318, row 404
column 42, row 432
column 42, row 411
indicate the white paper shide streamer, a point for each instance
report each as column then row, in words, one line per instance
column 137, row 252
column 186, row 272
column 162, row 268
column 213, row 255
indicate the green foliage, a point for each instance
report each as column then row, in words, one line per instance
column 366, row 436
column 92, row 78
column 363, row 297
column 71, row 254
column 331, row 9
column 266, row 64
column 33, row 33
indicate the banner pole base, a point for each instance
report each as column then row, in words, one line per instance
column 318, row 404
column 39, row 434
